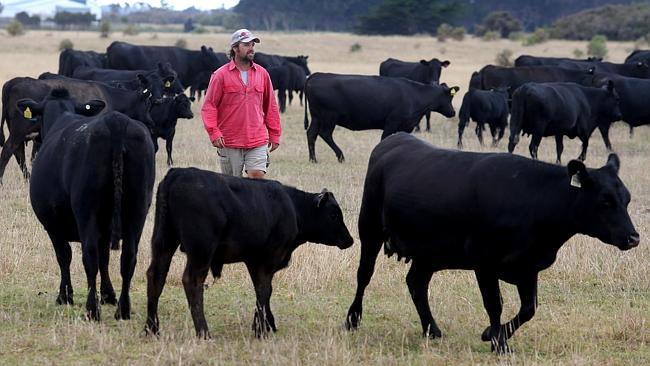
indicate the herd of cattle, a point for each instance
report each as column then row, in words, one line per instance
column 95, row 126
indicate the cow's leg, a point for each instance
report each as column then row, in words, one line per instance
column 19, row 154
column 106, row 291
column 196, row 270
column 559, row 147
column 585, row 145
column 418, row 279
column 326, row 135
column 369, row 251
column 36, row 145
column 493, row 132
column 163, row 246
column 263, row 320
column 300, row 94
column 502, row 131
column 169, row 146
column 90, row 256
column 312, row 134
column 128, row 260
column 534, row 145
column 155, row 143
column 527, row 289
column 282, row 97
column 63, row 257
column 488, row 283
column 631, row 131
column 428, row 117
column 7, row 151
column 479, row 132
column 604, row 132
column 290, row 94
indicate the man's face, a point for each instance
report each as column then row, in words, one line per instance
column 245, row 51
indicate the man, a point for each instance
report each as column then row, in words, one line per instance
column 240, row 113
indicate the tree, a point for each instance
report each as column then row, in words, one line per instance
column 66, row 19
column 502, row 22
column 408, row 17
column 29, row 22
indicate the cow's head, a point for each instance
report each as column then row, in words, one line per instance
column 302, row 62
column 141, row 108
column 609, row 106
column 432, row 70
column 443, row 103
column 54, row 106
column 601, row 206
column 169, row 79
column 183, row 107
column 326, row 226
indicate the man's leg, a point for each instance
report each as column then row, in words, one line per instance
column 231, row 160
column 256, row 161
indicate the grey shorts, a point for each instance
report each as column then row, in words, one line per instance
column 234, row 161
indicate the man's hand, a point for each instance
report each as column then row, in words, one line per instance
column 218, row 142
column 273, row 146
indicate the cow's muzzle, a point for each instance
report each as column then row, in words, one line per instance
column 632, row 242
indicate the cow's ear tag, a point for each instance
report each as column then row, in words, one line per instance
column 87, row 107
column 452, row 91
column 167, row 84
column 575, row 181
column 145, row 91
column 27, row 113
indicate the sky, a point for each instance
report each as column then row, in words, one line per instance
column 180, row 4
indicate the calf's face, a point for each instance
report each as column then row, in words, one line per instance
column 601, row 209
column 329, row 227
column 610, row 107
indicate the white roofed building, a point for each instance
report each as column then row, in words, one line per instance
column 47, row 8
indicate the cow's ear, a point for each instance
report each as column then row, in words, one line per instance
column 614, row 162
column 90, row 108
column 445, row 63
column 453, row 90
column 143, row 80
column 577, row 173
column 323, row 197
column 30, row 108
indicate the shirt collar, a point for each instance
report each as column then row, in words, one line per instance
column 232, row 65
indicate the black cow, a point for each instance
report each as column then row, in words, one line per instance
column 297, row 79
column 199, row 84
column 521, row 212
column 636, row 70
column 280, row 79
column 359, row 102
column 162, row 80
column 92, row 182
column 426, row 72
column 187, row 63
column 267, row 60
column 492, row 77
column 165, row 115
column 638, row 56
column 559, row 109
column 135, row 104
column 484, row 106
column 527, row 60
column 70, row 59
column 219, row 219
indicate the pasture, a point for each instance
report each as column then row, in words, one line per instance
column 594, row 302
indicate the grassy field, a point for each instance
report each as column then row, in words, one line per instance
column 594, row 302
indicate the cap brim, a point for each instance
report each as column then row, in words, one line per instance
column 249, row 39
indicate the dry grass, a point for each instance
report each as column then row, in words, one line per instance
column 594, row 302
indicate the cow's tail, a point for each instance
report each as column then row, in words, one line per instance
column 517, row 115
column 5, row 98
column 306, row 110
column 117, row 128
column 465, row 108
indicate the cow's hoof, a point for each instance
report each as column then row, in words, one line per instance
column 64, row 299
column 352, row 321
column 93, row 315
column 433, row 332
column 341, row 159
column 152, row 327
column 313, row 160
column 123, row 311
column 262, row 328
column 501, row 348
column 108, row 298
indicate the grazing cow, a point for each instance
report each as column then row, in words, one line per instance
column 92, row 182
column 70, row 59
column 219, row 219
column 638, row 56
column 425, row 72
column 359, row 102
column 280, row 79
column 165, row 115
column 162, row 80
column 527, row 60
column 135, row 104
column 559, row 109
column 187, row 63
column 418, row 200
column 484, row 106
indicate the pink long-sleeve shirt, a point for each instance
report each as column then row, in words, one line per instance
column 246, row 116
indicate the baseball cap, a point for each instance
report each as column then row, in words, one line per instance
column 243, row 35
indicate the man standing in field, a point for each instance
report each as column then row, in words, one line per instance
column 240, row 113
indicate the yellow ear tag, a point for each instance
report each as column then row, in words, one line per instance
column 167, row 84
column 28, row 113
column 452, row 92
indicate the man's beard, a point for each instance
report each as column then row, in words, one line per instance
column 246, row 58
